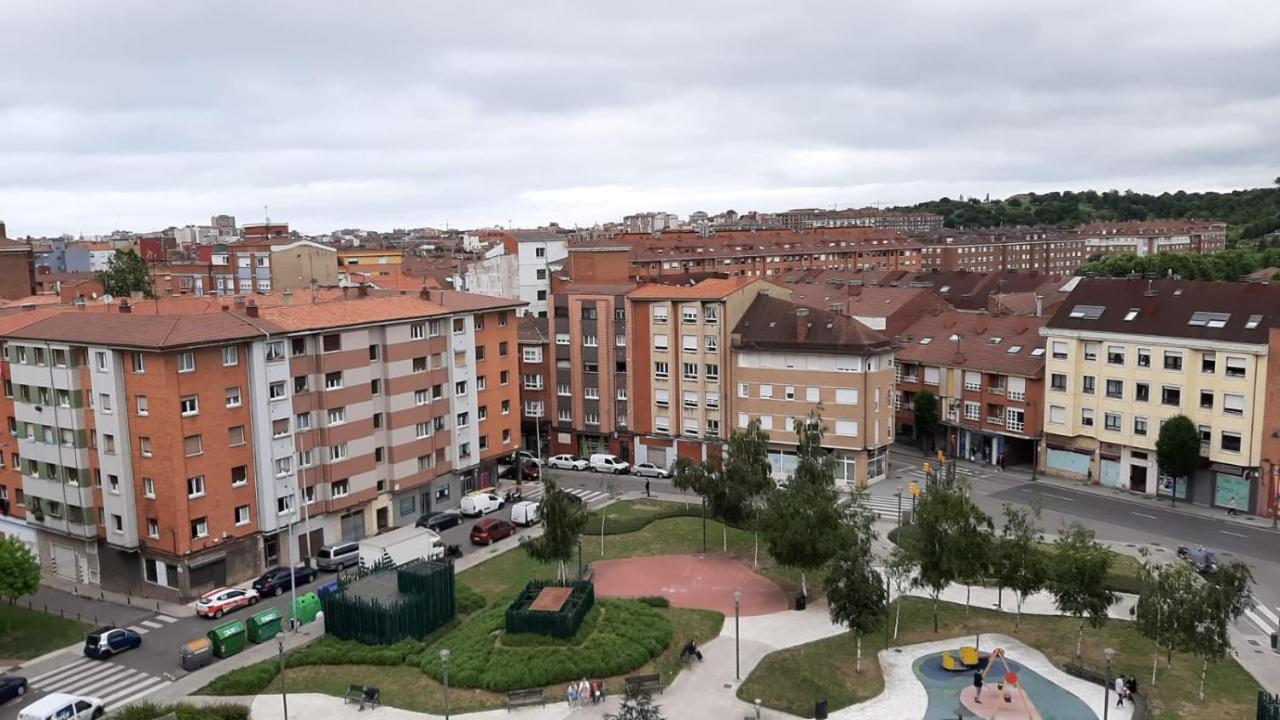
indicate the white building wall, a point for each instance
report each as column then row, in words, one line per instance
column 531, row 266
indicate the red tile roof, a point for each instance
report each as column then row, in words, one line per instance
column 152, row 332
column 774, row 324
column 715, row 289
column 964, row 339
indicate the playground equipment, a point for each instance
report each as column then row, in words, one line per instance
column 1010, row 700
column 968, row 659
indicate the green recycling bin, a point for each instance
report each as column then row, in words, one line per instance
column 227, row 639
column 264, row 625
column 305, row 608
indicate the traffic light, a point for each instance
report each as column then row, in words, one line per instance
column 914, row 489
column 942, row 457
column 928, row 469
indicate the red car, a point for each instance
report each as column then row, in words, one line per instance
column 488, row 532
column 216, row 603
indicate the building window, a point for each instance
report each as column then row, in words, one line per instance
column 275, row 353
column 1088, row 384
column 302, row 421
column 338, row 452
column 235, row 435
column 1144, row 358
column 333, row 380
column 1086, row 417
column 239, row 475
column 1140, row 426
column 1058, row 382
column 1173, row 361
column 1111, row 421
column 660, row 314
column 195, row 486
column 462, row 420
column 186, row 362
column 1115, row 389
column 331, row 343
column 1232, row 404
column 459, row 326
column 1142, row 392
column 972, row 411
column 1090, row 351
column 283, row 466
column 242, row 515
column 189, row 405
column 193, row 445
column 1171, row 395
column 153, row 528
column 1115, row 355
column 339, row 489
column 148, row 487
column 199, row 528
column 375, row 387
column 1057, row 415
column 661, row 343
column 532, row 354
column 417, row 331
column 1231, row 442
column 1236, row 367
column 139, row 363
column 1208, row 363
column 661, row 370
column 690, row 371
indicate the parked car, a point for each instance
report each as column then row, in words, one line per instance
column 105, row 642
column 604, row 462
column 338, row 556
column 12, row 686
column 279, row 579
column 216, row 603
column 440, row 520
column 487, row 532
column 480, row 503
column 526, row 455
column 650, row 470
column 568, row 462
column 526, row 513
column 61, row 706
column 526, row 471
column 1201, row 558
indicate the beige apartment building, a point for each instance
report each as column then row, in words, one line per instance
column 1124, row 356
column 788, row 360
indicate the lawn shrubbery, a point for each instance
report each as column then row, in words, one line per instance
column 631, row 520
column 328, row 650
column 535, row 640
column 656, row 601
column 248, row 680
column 150, row 711
column 467, row 600
column 627, row 635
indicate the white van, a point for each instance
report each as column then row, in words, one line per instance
column 604, row 462
column 526, row 513
column 477, row 504
column 61, row 706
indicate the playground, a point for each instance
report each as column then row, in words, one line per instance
column 705, row 582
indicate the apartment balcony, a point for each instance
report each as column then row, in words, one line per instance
column 54, row 453
column 1017, row 395
column 995, row 421
column 1015, row 426
column 995, row 390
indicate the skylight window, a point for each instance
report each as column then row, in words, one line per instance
column 994, row 340
column 1131, row 315
column 926, row 340
column 1209, row 319
column 1087, row 312
column 1014, row 349
column 954, row 338
column 1037, row 352
column 1252, row 323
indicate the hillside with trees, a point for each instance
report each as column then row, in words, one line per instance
column 1250, row 214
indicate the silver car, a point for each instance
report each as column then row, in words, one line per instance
column 567, row 462
column 650, row 470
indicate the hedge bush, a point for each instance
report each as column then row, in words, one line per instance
column 248, row 680
column 535, row 640
column 627, row 635
column 656, row 601
column 467, row 600
column 151, row 711
column 328, row 650
column 622, row 526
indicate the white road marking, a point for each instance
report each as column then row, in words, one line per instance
column 1266, row 613
column 1266, row 629
column 1153, row 517
column 1060, row 497
column 152, row 625
column 139, row 630
column 167, row 619
column 1228, row 532
column 144, row 689
column 101, row 684
column 66, row 684
column 58, row 671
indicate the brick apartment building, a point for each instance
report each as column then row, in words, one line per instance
column 535, row 384
column 1047, row 250
column 165, row 454
column 17, row 269
column 806, row 219
column 1149, row 237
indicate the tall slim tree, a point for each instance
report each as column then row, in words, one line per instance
column 1021, row 565
column 1077, row 578
column 1178, row 450
column 562, row 522
column 126, row 273
column 952, row 540
column 747, row 476
column 1223, row 598
column 700, row 478
column 19, row 570
column 797, row 520
column 900, row 567
column 638, row 706
column 1166, row 609
column 925, row 411
column 856, row 596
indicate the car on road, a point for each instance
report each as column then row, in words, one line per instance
column 338, row 556
column 568, row 462
column 279, row 579
column 61, row 706
column 604, row 462
column 650, row 470
column 526, row 455
column 1201, row 558
column 440, row 520
column 107, row 641
column 12, row 686
column 490, row 531
column 526, row 471
column 480, row 503
column 216, row 603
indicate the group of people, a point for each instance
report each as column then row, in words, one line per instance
column 1125, row 688
column 581, row 693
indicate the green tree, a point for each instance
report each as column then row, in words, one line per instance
column 1163, row 609
column 925, row 409
column 1223, row 598
column 1020, row 564
column 1178, row 450
column 952, row 540
column 636, row 707
column 1078, row 578
column 747, row 477
column 563, row 519
column 856, row 596
column 19, row 570
column 900, row 568
column 797, row 520
column 126, row 274
column 700, row 478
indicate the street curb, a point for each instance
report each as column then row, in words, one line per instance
column 47, row 656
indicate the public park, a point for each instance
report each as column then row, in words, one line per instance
column 732, row 600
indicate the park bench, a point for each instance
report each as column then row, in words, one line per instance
column 355, row 693
column 525, row 698
column 637, row 684
column 369, row 696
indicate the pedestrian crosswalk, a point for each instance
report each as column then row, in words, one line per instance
column 155, row 623
column 1264, row 617
column 113, row 684
column 588, row 496
column 886, row 507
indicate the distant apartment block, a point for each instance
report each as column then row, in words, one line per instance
column 1057, row 252
column 1150, row 237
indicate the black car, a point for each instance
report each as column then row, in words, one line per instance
column 440, row 520
column 12, row 686
column 277, row 580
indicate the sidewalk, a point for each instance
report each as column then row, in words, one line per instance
column 95, row 606
column 902, row 458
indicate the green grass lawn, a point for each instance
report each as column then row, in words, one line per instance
column 791, row 679
column 25, row 634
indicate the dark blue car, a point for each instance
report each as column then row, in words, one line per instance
column 12, row 686
column 105, row 642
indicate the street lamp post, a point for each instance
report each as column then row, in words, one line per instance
column 898, row 495
column 1106, row 684
column 284, row 697
column 737, row 640
column 579, row 557
column 444, row 661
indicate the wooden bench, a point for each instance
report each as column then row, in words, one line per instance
column 525, row 698
column 637, row 684
column 355, row 693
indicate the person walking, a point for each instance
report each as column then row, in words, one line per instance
column 1131, row 687
column 646, row 488
column 584, row 692
column 572, row 694
column 1120, row 691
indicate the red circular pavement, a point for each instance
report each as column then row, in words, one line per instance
column 690, row 581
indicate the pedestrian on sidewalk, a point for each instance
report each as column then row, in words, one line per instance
column 1120, row 691
column 646, row 488
column 572, row 694
column 1131, row 687
column 584, row 692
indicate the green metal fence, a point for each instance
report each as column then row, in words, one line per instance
column 415, row 603
column 1268, row 706
column 563, row 623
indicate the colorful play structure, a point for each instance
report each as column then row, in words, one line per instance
column 1009, row 700
column 966, row 658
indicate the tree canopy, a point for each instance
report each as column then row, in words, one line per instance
column 1178, row 447
column 953, row 540
column 925, row 410
column 562, row 522
column 1019, row 564
column 126, row 274
column 19, row 570
column 1078, row 578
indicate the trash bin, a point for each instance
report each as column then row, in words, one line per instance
column 327, row 589
column 820, row 709
column 227, row 639
column 196, row 654
column 800, row 602
column 1275, row 641
column 264, row 625
column 305, row 608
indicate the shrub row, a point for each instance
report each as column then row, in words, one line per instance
column 535, row 640
column 656, row 601
column 468, row 600
column 248, row 680
column 622, row 526
column 328, row 650
column 627, row 634
column 150, row 711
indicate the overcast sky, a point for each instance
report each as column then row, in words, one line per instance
column 141, row 115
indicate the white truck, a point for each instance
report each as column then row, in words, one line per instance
column 401, row 546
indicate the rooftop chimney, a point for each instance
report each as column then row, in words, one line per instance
column 288, row 297
column 239, row 300
column 362, row 290
column 425, row 293
column 1039, row 305
column 802, row 324
column 125, row 307
column 251, row 309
